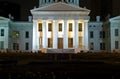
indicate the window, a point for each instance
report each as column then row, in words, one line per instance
column 70, row 27
column 27, row 46
column 80, row 26
column 15, row 46
column 50, row 43
column 49, row 26
column 102, row 46
column 2, row 32
column 102, row 34
column 70, row 42
column 27, row 34
column 116, row 45
column 60, row 26
column 40, row 27
column 116, row 32
column 80, row 42
column 40, row 42
column 91, row 34
column 1, row 44
column 92, row 46
column 16, row 34
column 90, row 26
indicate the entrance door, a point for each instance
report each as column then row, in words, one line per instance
column 60, row 43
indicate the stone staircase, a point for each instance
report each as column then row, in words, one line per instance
column 60, row 50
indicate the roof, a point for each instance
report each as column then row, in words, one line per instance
column 60, row 7
column 115, row 18
column 3, row 18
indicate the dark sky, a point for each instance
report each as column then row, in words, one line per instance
column 97, row 7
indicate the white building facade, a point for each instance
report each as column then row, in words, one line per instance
column 60, row 26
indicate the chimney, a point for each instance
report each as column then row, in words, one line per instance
column 98, row 18
column 10, row 17
column 30, row 18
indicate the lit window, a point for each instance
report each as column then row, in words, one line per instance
column 2, row 32
column 80, row 26
column 40, row 27
column 50, row 43
column 60, row 26
column 40, row 42
column 27, row 46
column 27, row 34
column 70, row 27
column 116, row 32
column 116, row 45
column 49, row 26
column 70, row 42
column 80, row 42
column 16, row 34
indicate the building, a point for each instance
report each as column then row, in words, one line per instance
column 58, row 26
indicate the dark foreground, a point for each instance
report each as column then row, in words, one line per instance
column 59, row 66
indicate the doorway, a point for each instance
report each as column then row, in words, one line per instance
column 60, row 43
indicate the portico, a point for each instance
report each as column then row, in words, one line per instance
column 55, row 27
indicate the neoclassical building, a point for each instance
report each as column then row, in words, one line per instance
column 60, row 26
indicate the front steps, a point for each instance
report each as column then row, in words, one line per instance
column 60, row 50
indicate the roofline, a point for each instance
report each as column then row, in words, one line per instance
column 84, row 9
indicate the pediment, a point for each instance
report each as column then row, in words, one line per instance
column 60, row 7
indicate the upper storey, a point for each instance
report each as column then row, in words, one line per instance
column 47, row 2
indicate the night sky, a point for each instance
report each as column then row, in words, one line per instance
column 20, row 9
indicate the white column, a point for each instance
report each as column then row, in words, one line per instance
column 74, row 2
column 40, row 3
column 38, row 36
column 55, row 34
column 51, row 1
column 86, row 44
column 34, row 41
column 43, row 2
column 65, row 34
column 70, row 1
column 62, row 0
column 44, row 38
column 77, row 2
column 76, row 33
column 55, row 0
column 67, row 1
